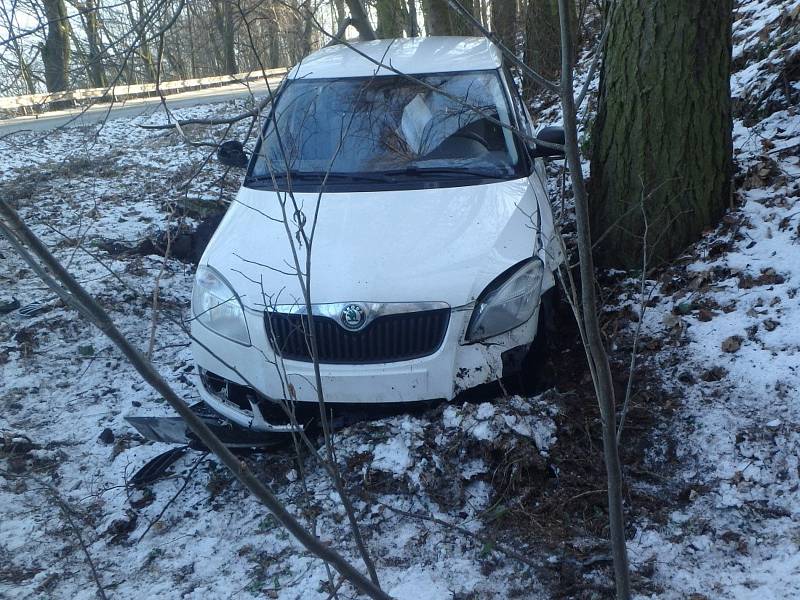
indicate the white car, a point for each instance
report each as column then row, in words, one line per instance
column 433, row 247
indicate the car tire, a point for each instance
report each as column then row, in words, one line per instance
column 532, row 378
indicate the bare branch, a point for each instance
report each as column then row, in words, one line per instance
column 14, row 229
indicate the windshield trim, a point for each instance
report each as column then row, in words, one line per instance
column 281, row 183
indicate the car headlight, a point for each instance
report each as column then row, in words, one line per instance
column 216, row 305
column 507, row 302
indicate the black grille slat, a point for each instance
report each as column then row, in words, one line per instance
column 387, row 338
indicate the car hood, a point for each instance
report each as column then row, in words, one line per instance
column 388, row 246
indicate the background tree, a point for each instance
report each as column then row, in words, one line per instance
column 223, row 17
column 437, row 17
column 360, row 20
column 412, row 24
column 391, row 17
column 91, row 25
column 663, row 129
column 543, row 38
column 19, row 76
column 460, row 26
column 56, row 48
column 504, row 21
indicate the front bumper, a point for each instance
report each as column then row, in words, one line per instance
column 454, row 367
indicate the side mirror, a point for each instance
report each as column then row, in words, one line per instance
column 232, row 154
column 552, row 135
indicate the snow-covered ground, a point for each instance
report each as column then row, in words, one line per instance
column 723, row 342
column 62, row 384
column 731, row 309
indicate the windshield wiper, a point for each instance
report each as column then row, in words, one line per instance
column 415, row 170
column 320, row 176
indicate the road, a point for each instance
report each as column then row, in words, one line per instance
column 77, row 117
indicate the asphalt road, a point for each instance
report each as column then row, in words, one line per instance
column 131, row 108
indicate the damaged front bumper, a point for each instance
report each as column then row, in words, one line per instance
column 250, row 385
column 173, row 430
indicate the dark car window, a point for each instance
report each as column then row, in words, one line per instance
column 390, row 128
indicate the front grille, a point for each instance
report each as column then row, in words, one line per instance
column 387, row 338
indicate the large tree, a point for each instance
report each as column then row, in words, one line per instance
column 223, row 16
column 56, row 48
column 91, row 25
column 661, row 143
column 504, row 22
column 543, row 38
column 392, row 16
column 360, row 20
column 437, row 17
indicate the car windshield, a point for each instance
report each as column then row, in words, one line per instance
column 390, row 128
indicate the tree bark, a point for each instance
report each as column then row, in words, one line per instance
column 543, row 37
column 56, row 49
column 94, row 67
column 390, row 18
column 412, row 25
column 437, row 17
column 504, row 22
column 223, row 16
column 341, row 12
column 361, row 20
column 460, row 26
column 662, row 136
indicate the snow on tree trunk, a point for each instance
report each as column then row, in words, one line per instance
column 663, row 129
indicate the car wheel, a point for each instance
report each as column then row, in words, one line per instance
column 533, row 377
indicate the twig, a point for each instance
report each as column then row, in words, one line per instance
column 642, row 307
column 594, row 348
column 71, row 291
column 66, row 511
column 249, row 114
column 484, row 539
column 175, row 497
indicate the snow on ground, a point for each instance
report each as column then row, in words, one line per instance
column 731, row 308
column 724, row 318
column 62, row 385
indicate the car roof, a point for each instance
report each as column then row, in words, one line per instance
column 408, row 55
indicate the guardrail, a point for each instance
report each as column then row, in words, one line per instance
column 120, row 92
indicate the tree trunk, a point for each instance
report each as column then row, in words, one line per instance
column 504, row 22
column 94, row 68
column 56, row 49
column 361, row 20
column 341, row 12
column 390, row 18
column 141, row 40
column 484, row 10
column 662, row 137
column 437, row 17
column 543, row 38
column 412, row 25
column 223, row 16
column 458, row 24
